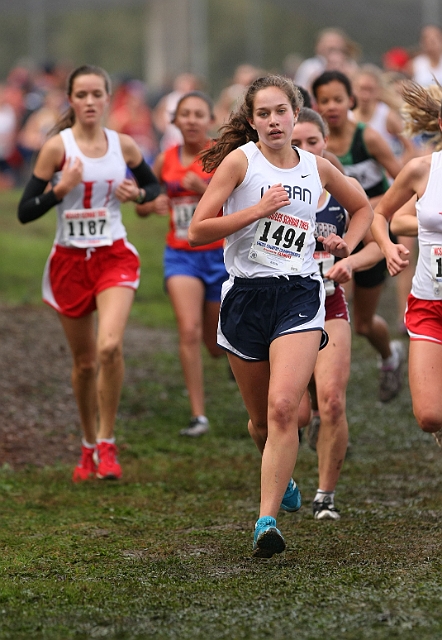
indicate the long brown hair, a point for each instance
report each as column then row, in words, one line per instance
column 68, row 118
column 238, row 130
column 422, row 111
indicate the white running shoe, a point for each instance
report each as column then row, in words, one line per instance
column 196, row 427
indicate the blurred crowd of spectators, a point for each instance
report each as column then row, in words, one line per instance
column 32, row 100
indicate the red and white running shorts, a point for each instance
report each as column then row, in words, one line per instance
column 423, row 319
column 74, row 277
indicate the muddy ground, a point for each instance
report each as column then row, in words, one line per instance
column 38, row 414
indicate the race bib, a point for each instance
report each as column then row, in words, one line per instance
column 281, row 241
column 84, row 228
column 182, row 212
column 325, row 261
column 436, row 269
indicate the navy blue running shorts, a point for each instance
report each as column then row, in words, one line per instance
column 255, row 311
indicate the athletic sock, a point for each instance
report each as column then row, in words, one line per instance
column 88, row 445
column 107, row 440
column 392, row 361
column 321, row 495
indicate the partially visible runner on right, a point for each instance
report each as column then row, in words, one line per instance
column 332, row 368
column 423, row 318
column 366, row 157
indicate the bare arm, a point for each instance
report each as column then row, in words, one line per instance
column 381, row 152
column 404, row 220
column 51, row 159
column 411, row 181
column 364, row 259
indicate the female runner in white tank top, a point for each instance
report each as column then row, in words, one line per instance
column 91, row 265
column 272, row 310
column 420, row 179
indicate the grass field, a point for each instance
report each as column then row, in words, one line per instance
column 165, row 553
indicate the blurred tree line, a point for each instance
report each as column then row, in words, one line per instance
column 266, row 33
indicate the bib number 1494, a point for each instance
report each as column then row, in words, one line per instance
column 283, row 236
column 280, row 242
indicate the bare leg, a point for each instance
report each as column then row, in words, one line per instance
column 187, row 297
column 367, row 323
column 272, row 392
column 292, row 360
column 113, row 306
column 210, row 325
column 253, row 382
column 331, row 374
column 80, row 334
column 425, row 375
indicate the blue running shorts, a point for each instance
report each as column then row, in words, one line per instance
column 206, row 265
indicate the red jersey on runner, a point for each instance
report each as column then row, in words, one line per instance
column 183, row 201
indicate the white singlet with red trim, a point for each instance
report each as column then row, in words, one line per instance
column 90, row 214
column 281, row 244
column 427, row 280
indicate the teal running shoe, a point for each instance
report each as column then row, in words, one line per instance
column 268, row 539
column 291, row 500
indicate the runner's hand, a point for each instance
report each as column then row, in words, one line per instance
column 340, row 272
column 273, row 199
column 335, row 245
column 396, row 256
column 193, row 182
column 127, row 191
column 71, row 176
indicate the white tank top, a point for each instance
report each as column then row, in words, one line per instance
column 423, row 73
column 427, row 280
column 90, row 214
column 282, row 244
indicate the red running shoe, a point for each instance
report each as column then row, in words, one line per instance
column 86, row 467
column 105, row 456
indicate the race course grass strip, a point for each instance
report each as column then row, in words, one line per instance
column 166, row 552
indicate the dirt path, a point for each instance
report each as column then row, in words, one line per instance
column 38, row 414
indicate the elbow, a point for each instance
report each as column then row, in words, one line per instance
column 192, row 239
column 142, row 211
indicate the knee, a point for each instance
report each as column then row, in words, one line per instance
column 190, row 336
column 362, row 326
column 85, row 367
column 283, row 413
column 333, row 406
column 110, row 352
column 428, row 420
column 215, row 351
column 257, row 428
